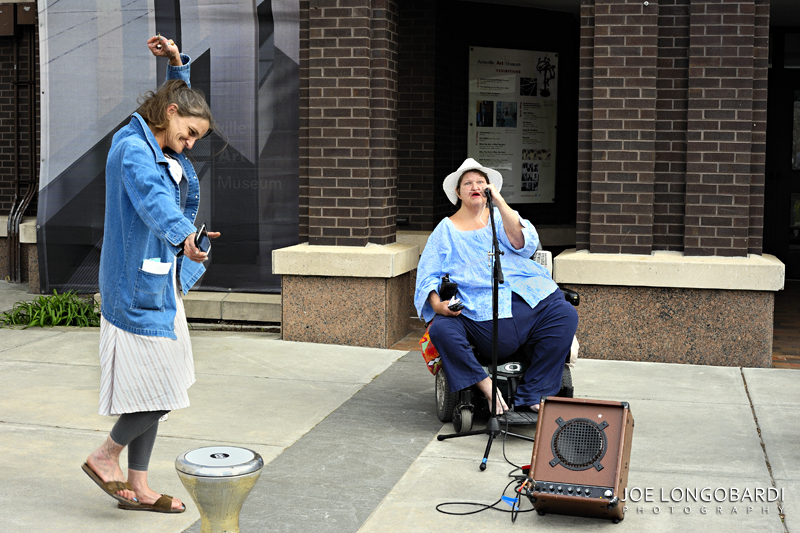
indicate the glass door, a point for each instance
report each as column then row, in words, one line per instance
column 782, row 186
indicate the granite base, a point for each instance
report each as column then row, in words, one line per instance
column 668, row 325
column 29, row 264
column 4, row 257
column 30, row 267
column 350, row 311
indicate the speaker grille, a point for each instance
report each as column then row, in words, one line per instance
column 578, row 444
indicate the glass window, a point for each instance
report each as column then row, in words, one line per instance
column 794, row 223
column 791, row 51
column 796, row 132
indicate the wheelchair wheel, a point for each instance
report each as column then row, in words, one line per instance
column 462, row 419
column 445, row 400
column 567, row 390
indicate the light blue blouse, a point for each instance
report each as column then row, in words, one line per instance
column 463, row 255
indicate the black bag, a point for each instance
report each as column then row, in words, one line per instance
column 447, row 288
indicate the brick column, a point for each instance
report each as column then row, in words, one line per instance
column 348, row 182
column 710, row 127
column 759, row 138
column 352, row 113
column 623, row 126
column 669, row 188
column 720, row 128
column 586, row 81
column 707, row 179
column 303, row 134
column 383, row 122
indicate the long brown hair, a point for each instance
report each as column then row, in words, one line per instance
column 191, row 103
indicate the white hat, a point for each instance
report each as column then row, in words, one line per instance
column 451, row 181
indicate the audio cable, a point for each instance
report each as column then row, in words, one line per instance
column 524, row 483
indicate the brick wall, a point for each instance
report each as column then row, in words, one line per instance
column 720, row 126
column 669, row 187
column 623, row 127
column 384, row 66
column 416, row 110
column 28, row 125
column 672, row 126
column 585, row 93
column 431, row 127
column 348, row 117
column 759, row 135
column 303, row 133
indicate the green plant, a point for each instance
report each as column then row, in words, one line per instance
column 66, row 309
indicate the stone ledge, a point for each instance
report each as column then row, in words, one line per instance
column 27, row 229
column 252, row 307
column 371, row 261
column 237, row 306
column 414, row 238
column 670, row 270
column 549, row 235
column 206, row 305
column 240, row 306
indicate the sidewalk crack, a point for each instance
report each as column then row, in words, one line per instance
column 782, row 505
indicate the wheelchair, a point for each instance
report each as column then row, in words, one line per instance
column 459, row 406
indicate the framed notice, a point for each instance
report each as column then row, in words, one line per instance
column 512, row 119
column 796, row 132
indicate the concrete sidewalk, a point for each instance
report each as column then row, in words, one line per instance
column 348, row 435
column 11, row 293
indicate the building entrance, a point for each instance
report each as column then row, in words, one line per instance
column 782, row 188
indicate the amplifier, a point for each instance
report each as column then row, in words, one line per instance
column 581, row 457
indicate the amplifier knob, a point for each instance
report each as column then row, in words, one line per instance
column 569, row 489
column 588, row 491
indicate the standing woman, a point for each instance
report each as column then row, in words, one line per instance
column 148, row 258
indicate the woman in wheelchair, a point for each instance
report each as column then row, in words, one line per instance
column 532, row 310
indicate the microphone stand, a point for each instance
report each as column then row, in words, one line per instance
column 492, row 428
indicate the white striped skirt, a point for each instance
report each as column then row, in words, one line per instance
column 141, row 373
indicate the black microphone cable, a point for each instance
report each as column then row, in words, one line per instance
column 523, row 481
column 514, row 502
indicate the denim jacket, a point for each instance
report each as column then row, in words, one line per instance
column 144, row 230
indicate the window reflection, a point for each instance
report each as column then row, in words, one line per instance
column 794, row 222
column 791, row 51
column 796, row 133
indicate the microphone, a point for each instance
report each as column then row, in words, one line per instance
column 489, row 201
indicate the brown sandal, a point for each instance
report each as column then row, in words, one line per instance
column 111, row 487
column 162, row 505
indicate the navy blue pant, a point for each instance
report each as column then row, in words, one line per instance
column 547, row 330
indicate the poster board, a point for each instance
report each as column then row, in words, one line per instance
column 512, row 117
column 245, row 58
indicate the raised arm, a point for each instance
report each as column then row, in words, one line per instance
column 160, row 46
column 511, row 222
column 178, row 67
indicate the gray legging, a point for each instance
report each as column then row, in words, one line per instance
column 138, row 432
